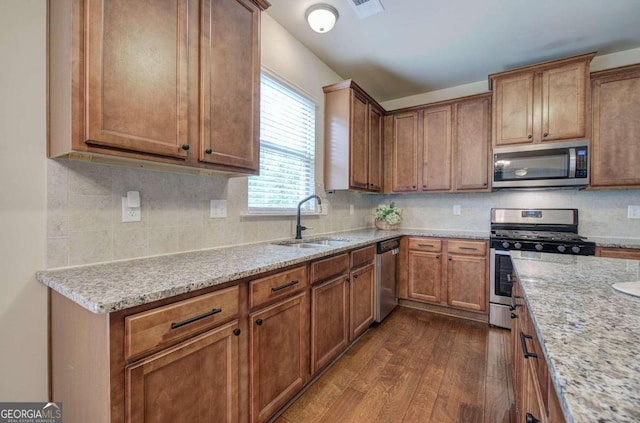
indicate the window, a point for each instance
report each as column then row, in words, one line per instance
column 287, row 149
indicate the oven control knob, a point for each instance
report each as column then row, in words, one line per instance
column 575, row 249
column 539, row 247
column 562, row 248
column 517, row 245
column 505, row 244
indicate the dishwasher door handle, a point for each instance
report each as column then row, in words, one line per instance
column 395, row 251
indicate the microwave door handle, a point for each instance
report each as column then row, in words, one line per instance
column 572, row 163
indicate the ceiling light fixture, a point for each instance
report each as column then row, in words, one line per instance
column 321, row 17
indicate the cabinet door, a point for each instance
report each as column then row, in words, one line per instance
column 564, row 101
column 375, row 148
column 472, row 129
column 196, row 381
column 615, row 150
column 137, row 72
column 425, row 276
column 279, row 356
column 532, row 402
column 329, row 321
column 467, row 282
column 405, row 152
column 230, row 83
column 436, row 149
column 361, row 300
column 513, row 102
column 358, row 150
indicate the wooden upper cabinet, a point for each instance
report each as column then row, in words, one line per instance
column 376, row 130
column 137, row 73
column 436, row 148
column 230, row 83
column 471, row 144
column 160, row 81
column 542, row 102
column 564, row 101
column 615, row 149
column 513, row 102
column 353, row 126
column 404, row 173
column 444, row 146
column 359, row 151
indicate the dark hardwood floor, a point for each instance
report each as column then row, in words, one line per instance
column 415, row 367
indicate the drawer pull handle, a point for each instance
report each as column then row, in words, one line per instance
column 514, row 306
column 469, row 248
column 196, row 318
column 286, row 285
column 425, row 245
column 525, row 351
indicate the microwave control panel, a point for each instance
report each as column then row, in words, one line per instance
column 581, row 162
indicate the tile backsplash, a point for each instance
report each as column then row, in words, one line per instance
column 84, row 212
column 84, row 223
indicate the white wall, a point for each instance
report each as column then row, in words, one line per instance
column 23, row 302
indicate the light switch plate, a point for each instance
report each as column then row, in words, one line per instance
column 217, row 209
column 456, row 210
column 633, row 212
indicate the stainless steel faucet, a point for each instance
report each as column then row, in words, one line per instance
column 299, row 227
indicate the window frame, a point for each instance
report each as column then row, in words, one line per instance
column 291, row 211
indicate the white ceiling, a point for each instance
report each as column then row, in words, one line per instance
column 417, row 46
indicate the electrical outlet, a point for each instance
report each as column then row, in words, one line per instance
column 351, row 211
column 218, row 209
column 633, row 212
column 130, row 214
column 456, row 210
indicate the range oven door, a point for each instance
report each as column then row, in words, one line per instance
column 501, row 285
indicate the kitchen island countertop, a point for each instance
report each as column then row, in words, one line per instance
column 589, row 332
column 114, row 286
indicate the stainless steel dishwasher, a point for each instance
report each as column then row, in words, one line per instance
column 386, row 271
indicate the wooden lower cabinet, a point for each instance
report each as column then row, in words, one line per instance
column 467, row 282
column 425, row 275
column 621, row 253
column 329, row 321
column 461, row 284
column 195, row 381
column 535, row 396
column 361, row 300
column 279, row 354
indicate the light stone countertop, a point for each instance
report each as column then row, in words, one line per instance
column 590, row 334
column 615, row 242
column 114, row 286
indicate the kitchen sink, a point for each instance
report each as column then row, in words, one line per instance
column 314, row 243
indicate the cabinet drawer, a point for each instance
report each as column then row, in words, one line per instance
column 363, row 256
column 322, row 270
column 280, row 285
column 425, row 244
column 474, row 248
column 150, row 329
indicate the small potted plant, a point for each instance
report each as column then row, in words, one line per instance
column 388, row 217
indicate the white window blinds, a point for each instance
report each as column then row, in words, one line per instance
column 287, row 147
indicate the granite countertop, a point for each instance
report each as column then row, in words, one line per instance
column 615, row 242
column 114, row 286
column 589, row 332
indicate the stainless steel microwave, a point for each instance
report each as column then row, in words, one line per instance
column 557, row 164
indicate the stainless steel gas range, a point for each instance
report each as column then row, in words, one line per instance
column 530, row 230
